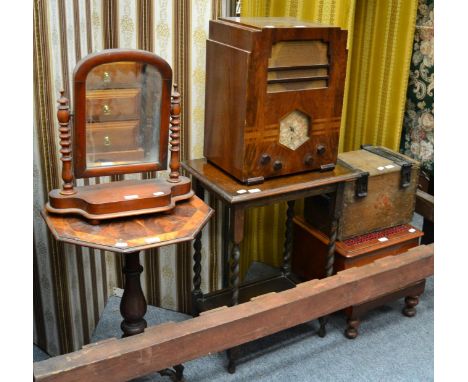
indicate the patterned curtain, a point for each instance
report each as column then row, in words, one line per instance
column 418, row 137
column 72, row 283
column 380, row 37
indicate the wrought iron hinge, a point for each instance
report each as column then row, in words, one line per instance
column 405, row 171
column 405, row 179
column 361, row 184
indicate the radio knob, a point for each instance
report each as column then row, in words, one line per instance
column 277, row 165
column 265, row 159
column 309, row 159
column 321, row 149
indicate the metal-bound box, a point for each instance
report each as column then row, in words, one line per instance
column 383, row 196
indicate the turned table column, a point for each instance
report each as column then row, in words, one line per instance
column 288, row 239
column 197, row 293
column 237, row 216
column 335, row 212
column 128, row 237
column 133, row 304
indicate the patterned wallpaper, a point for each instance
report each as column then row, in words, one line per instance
column 72, row 283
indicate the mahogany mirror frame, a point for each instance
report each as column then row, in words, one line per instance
column 80, row 74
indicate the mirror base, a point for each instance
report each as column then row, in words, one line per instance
column 119, row 199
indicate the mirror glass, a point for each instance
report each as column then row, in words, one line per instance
column 123, row 104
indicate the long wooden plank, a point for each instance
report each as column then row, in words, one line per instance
column 174, row 343
column 425, row 205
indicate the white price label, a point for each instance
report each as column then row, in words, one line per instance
column 130, row 197
column 389, row 166
column 241, row 191
column 254, row 190
column 381, row 168
column 159, row 193
column 121, row 244
column 152, row 240
column 383, row 239
column 412, row 230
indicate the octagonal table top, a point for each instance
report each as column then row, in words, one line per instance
column 133, row 234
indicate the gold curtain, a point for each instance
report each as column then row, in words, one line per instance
column 380, row 37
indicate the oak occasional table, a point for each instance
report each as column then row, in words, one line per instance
column 238, row 197
column 128, row 236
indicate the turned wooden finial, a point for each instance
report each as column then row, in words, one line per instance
column 63, row 116
column 175, row 136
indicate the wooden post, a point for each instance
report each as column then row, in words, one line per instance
column 175, row 137
column 237, row 226
column 288, row 240
column 63, row 116
column 197, row 293
column 133, row 303
column 336, row 211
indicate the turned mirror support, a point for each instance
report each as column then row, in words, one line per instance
column 63, row 115
column 175, row 136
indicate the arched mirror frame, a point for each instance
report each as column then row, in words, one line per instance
column 80, row 75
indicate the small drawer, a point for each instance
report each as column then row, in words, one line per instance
column 114, row 75
column 115, row 158
column 112, row 105
column 112, row 136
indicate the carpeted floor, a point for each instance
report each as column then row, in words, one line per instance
column 390, row 347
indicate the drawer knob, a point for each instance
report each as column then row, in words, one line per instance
column 321, row 149
column 107, row 141
column 309, row 159
column 277, row 165
column 265, row 159
column 106, row 77
column 106, row 109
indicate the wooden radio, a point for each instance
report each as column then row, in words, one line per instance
column 274, row 95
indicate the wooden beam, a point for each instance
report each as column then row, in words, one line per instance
column 172, row 343
column 425, row 205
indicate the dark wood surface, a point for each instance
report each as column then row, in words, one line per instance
column 247, row 291
column 169, row 344
column 133, row 304
column 120, row 199
column 241, row 56
column 272, row 190
column 425, row 205
column 133, row 234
